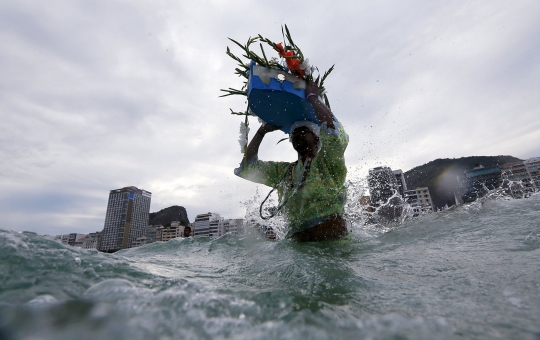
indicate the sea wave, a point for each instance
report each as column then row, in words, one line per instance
column 468, row 272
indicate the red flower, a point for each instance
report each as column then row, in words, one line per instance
column 293, row 64
column 280, row 49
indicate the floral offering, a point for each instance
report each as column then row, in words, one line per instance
column 291, row 60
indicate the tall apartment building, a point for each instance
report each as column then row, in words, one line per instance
column 92, row 240
column 174, row 231
column 519, row 179
column 159, row 230
column 201, row 226
column 79, row 240
column 268, row 232
column 420, row 200
column 214, row 227
column 151, row 233
column 476, row 182
column 63, row 238
column 139, row 241
column 221, row 226
column 126, row 218
column 382, row 185
column 231, row 226
column 401, row 184
column 72, row 239
column 533, row 168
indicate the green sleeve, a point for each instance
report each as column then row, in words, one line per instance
column 267, row 173
column 334, row 141
column 332, row 153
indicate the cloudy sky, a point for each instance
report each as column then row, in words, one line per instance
column 98, row 95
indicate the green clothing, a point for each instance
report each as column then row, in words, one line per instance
column 323, row 192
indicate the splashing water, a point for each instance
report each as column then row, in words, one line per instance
column 470, row 272
column 378, row 219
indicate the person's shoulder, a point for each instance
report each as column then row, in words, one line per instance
column 336, row 131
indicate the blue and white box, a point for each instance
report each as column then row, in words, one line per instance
column 278, row 97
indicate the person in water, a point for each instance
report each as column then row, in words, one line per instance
column 187, row 231
column 315, row 211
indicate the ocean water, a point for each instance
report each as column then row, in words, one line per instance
column 471, row 272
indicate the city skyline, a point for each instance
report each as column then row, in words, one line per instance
column 104, row 95
column 127, row 225
column 523, row 177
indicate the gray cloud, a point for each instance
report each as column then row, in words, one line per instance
column 99, row 95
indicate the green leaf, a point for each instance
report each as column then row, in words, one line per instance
column 289, row 35
column 241, row 73
column 326, row 101
column 240, row 113
column 232, row 91
column 281, row 140
column 264, row 55
column 237, row 43
column 327, row 73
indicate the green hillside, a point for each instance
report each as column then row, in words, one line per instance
column 440, row 175
column 168, row 215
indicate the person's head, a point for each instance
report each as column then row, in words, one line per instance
column 305, row 137
column 187, row 231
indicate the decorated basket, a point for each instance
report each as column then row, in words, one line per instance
column 275, row 88
column 278, row 97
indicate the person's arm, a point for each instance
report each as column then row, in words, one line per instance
column 324, row 115
column 268, row 173
column 253, row 147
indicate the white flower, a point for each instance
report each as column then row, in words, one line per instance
column 243, row 139
column 306, row 66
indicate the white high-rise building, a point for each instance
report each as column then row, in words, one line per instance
column 201, row 226
column 126, row 218
column 382, row 184
column 420, row 200
column 140, row 241
column 64, row 238
column 72, row 239
column 91, row 241
column 533, row 168
column 79, row 240
column 214, row 230
column 518, row 179
column 213, row 225
column 400, row 178
column 230, row 226
column 174, row 231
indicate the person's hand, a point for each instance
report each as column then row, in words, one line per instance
column 253, row 147
column 311, row 87
column 268, row 128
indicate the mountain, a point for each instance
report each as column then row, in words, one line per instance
column 440, row 175
column 168, row 215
